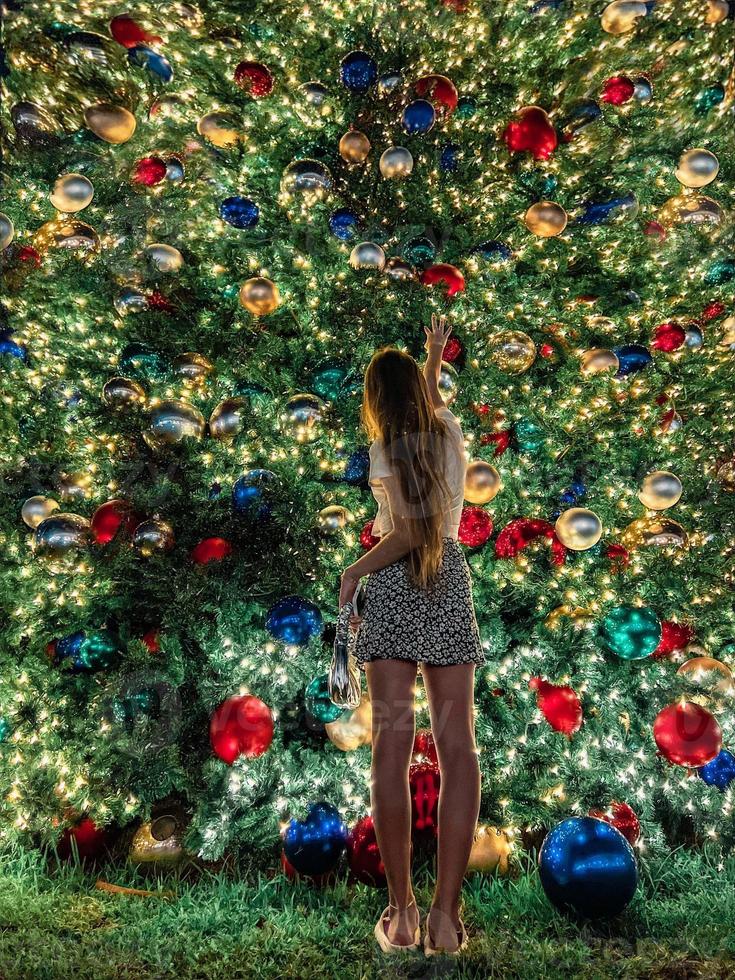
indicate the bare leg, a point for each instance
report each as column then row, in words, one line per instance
column 392, row 685
column 450, row 691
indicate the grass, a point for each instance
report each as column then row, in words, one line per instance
column 54, row 923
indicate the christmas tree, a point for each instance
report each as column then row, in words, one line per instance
column 211, row 220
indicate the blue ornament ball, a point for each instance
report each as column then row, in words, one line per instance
column 11, row 348
column 720, row 772
column 250, row 494
column 314, row 846
column 418, row 117
column 343, row 224
column 358, row 71
column 493, row 250
column 632, row 358
column 587, row 866
column 294, row 620
column 358, row 467
column 152, row 60
column 240, row 212
column 449, row 157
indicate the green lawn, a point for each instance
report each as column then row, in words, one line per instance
column 55, row 923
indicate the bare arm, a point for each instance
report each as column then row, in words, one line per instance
column 436, row 339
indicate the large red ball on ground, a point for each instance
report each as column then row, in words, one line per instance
column 241, row 725
column 363, row 854
column 89, row 840
column 424, row 781
column 687, row 734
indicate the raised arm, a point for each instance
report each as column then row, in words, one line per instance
column 436, row 339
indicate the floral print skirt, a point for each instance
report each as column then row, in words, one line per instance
column 436, row 627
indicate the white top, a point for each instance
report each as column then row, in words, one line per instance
column 455, row 465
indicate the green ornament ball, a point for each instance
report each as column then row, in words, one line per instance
column 708, row 98
column 631, row 632
column 4, row 729
column 328, row 379
column 466, row 107
column 99, row 650
column 529, row 436
column 318, row 702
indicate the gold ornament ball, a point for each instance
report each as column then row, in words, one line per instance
column 172, row 421
column 707, row 674
column 697, row 168
column 334, row 518
column 621, row 16
column 353, row 728
column 259, row 296
column 599, row 359
column 546, row 219
column 228, row 418
column 158, row 842
column 68, row 233
column 490, row 850
column 660, row 490
column 396, row 162
column 367, row 255
column 448, row 383
column 726, row 476
column 164, row 258
column 354, row 147
column 7, row 230
column 578, row 529
column 690, row 209
column 71, row 193
column 513, row 351
column 62, row 533
column 37, row 509
column 192, row 367
column 399, row 270
column 111, row 123
column 123, row 393
column 481, row 483
column 654, row 532
column 717, row 11
column 301, row 417
column 153, row 537
column 220, row 128
column 74, row 486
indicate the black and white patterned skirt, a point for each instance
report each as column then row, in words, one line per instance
column 436, row 627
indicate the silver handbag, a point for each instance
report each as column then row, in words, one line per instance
column 344, row 674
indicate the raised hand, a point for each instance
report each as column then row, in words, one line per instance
column 438, row 333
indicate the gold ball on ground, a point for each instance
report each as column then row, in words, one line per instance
column 367, row 255
column 353, row 728
column 578, row 529
column 192, row 367
column 164, row 258
column 228, row 418
column 707, row 674
column 490, row 850
column 153, row 537
column 172, row 421
column 598, row 359
column 697, row 168
column 123, row 393
column 448, row 383
column 220, row 128
column 481, row 482
column 354, row 147
column 620, row 16
column 158, row 842
column 62, row 533
column 301, row 417
column 334, row 518
column 513, row 351
column 37, row 509
column 7, row 230
column 726, row 476
column 71, row 193
column 396, row 162
column 259, row 296
column 111, row 123
column 546, row 219
column 660, row 490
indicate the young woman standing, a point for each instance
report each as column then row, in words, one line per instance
column 418, row 610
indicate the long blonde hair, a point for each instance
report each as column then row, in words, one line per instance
column 397, row 409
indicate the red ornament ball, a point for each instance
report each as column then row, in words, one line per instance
column 713, row 310
column 424, row 749
column 687, row 734
column 619, row 556
column 559, row 705
column 475, row 527
column 446, row 275
column 501, row 440
column 149, row 171
column 150, row 639
column 363, row 854
column 675, row 637
column 424, row 781
column 452, row 350
column 89, row 840
column 440, row 91
column 211, row 549
column 241, row 725
column 622, row 818
column 367, row 538
column 116, row 517
column 128, row 33
column 29, row 255
column 668, row 337
column 254, row 78
column 531, row 133
column 157, row 301
column 617, row 90
column 654, row 229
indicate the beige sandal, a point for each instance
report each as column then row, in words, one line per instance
column 431, row 950
column 382, row 937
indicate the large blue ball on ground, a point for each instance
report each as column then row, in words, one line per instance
column 294, row 620
column 343, row 224
column 587, row 866
column 314, row 846
column 358, row 71
column 240, row 212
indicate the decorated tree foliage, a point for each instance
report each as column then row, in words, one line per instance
column 212, row 217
